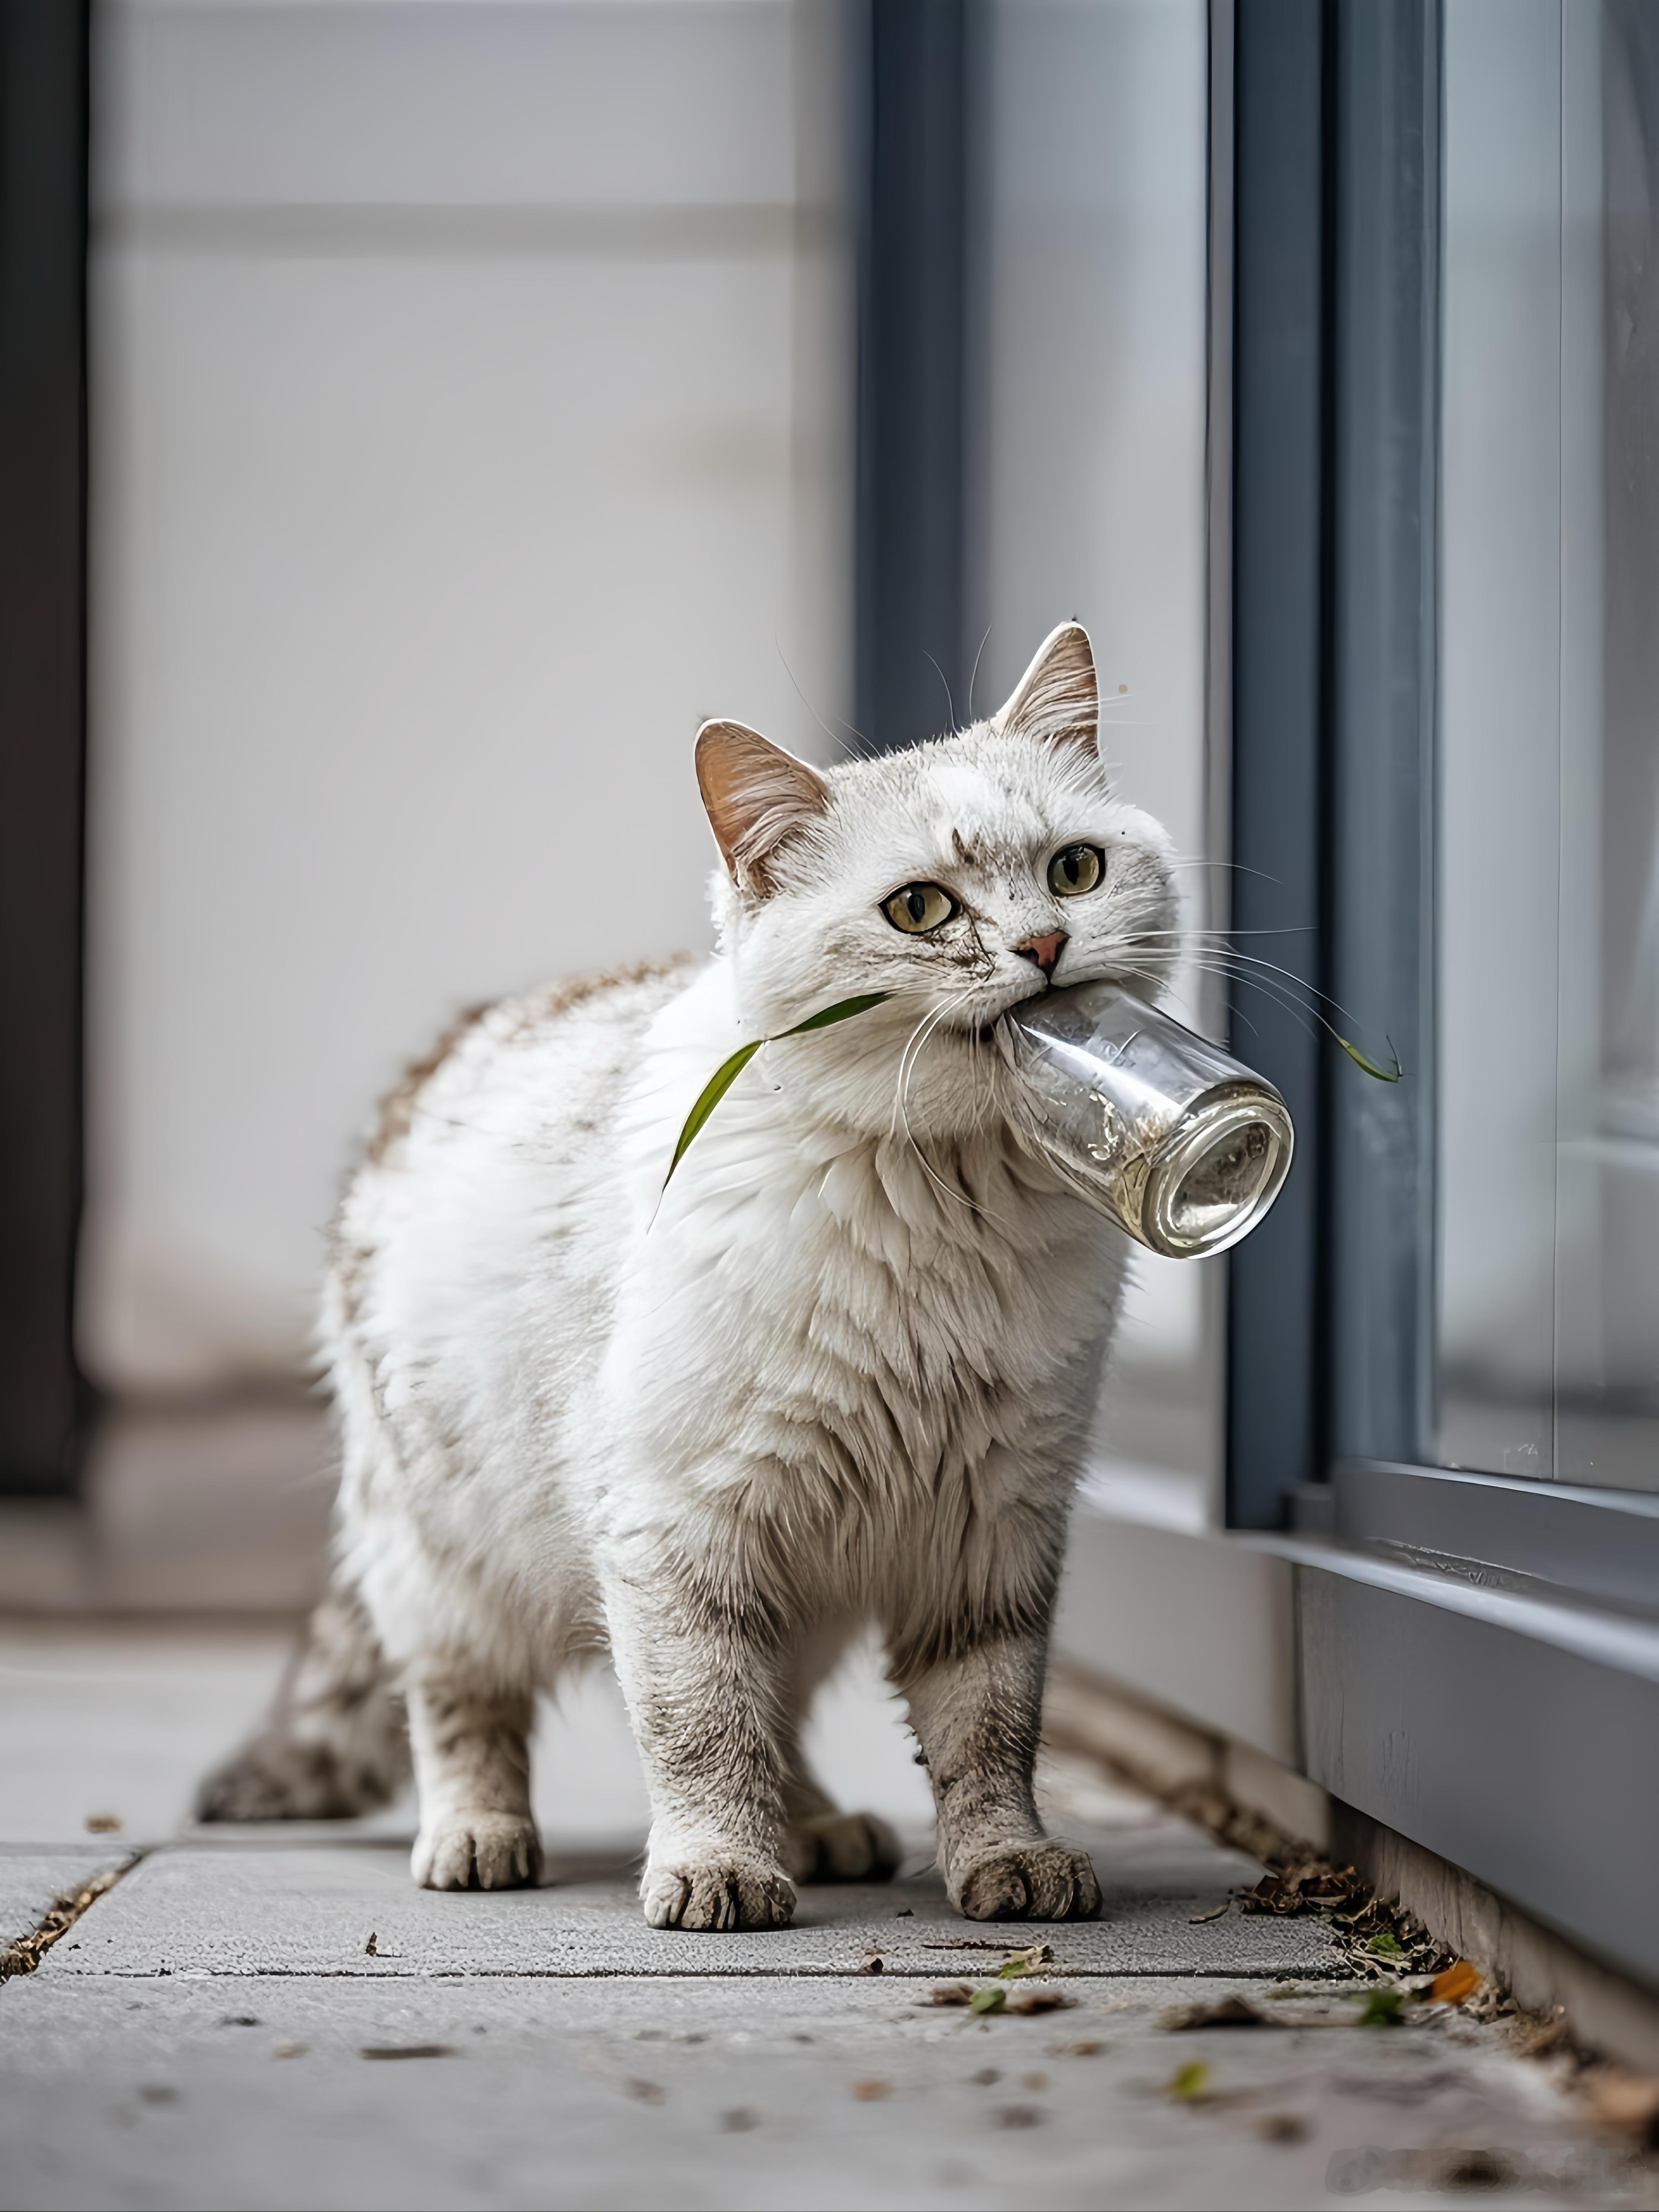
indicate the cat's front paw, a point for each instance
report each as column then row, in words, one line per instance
column 843, row 1847
column 729, row 1891
column 478, row 1850
column 1028, row 1881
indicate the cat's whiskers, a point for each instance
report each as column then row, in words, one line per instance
column 919, row 1038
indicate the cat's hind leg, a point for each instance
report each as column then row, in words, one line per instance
column 471, row 1739
column 335, row 1742
column 821, row 1842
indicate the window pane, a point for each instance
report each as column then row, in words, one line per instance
column 1549, row 898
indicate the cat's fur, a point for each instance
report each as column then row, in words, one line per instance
column 837, row 1375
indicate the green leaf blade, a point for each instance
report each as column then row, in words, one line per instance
column 842, row 1010
column 709, row 1097
column 1383, row 1074
column 729, row 1070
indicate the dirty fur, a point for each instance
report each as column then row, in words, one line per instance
column 835, row 1377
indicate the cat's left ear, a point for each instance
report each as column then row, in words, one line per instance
column 1057, row 698
column 757, row 797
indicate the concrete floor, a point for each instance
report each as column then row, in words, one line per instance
column 214, row 2031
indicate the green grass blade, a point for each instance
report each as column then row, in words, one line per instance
column 729, row 1070
column 842, row 1010
column 710, row 1096
column 1383, row 1074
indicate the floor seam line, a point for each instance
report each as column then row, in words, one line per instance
column 23, row 1954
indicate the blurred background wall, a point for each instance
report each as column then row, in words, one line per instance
column 472, row 415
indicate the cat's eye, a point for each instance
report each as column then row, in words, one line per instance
column 1077, row 869
column 919, row 908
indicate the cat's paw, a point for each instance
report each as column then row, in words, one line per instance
column 842, row 1847
column 1028, row 1881
column 478, row 1850
column 730, row 1890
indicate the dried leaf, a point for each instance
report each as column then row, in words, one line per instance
column 1232, row 2011
column 1203, row 1919
column 1034, row 2001
column 102, row 1823
column 871, row 2092
column 1187, row 2082
column 1281, row 2128
column 1028, row 1961
column 1460, row 1980
column 398, row 2051
column 369, row 1948
column 948, row 1993
column 872, row 1963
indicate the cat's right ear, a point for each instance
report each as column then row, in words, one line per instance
column 757, row 797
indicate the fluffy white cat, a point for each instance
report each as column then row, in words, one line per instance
column 837, row 1374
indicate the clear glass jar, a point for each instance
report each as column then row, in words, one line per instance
column 1178, row 1143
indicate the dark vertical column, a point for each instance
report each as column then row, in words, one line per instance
column 1275, row 1305
column 1385, row 454
column 43, row 169
column 912, row 371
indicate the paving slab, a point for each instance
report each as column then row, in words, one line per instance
column 706, row 2092
column 241, row 1910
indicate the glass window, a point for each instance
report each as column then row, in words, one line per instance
column 1548, row 922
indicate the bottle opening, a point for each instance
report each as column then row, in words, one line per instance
column 1224, row 1181
column 1220, row 1176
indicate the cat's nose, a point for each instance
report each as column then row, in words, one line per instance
column 1045, row 950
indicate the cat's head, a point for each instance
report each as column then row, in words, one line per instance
column 958, row 876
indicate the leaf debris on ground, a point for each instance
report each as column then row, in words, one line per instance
column 1458, row 1981
column 1032, row 1960
column 25, row 1954
column 1230, row 2011
column 1028, row 2001
column 1382, row 2008
column 1187, row 2082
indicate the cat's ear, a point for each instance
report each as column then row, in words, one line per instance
column 1057, row 698
column 757, row 796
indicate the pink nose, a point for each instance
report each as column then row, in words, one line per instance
column 1045, row 950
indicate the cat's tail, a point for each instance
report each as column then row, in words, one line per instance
column 335, row 1742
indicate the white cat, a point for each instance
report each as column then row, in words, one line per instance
column 837, row 1374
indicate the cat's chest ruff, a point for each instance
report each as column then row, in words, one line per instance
column 875, row 1309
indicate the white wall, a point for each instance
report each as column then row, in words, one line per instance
column 470, row 416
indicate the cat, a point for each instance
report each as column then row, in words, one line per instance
column 836, row 1373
